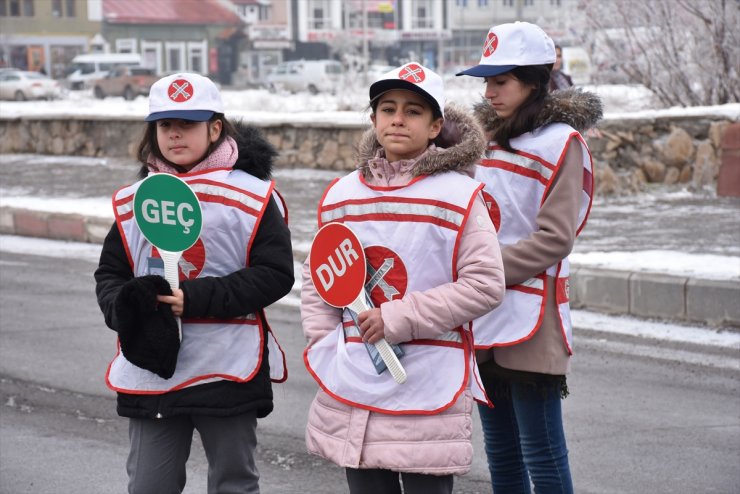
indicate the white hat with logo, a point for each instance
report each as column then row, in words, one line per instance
column 184, row 96
column 412, row 77
column 512, row 45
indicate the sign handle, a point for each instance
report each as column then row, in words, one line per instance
column 172, row 275
column 384, row 349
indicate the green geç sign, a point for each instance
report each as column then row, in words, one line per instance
column 168, row 212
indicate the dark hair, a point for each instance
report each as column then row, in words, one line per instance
column 148, row 144
column 525, row 118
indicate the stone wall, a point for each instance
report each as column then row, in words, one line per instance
column 628, row 153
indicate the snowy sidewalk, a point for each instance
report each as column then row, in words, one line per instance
column 670, row 255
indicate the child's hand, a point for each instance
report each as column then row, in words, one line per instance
column 372, row 327
column 176, row 300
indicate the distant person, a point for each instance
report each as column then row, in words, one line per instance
column 432, row 246
column 218, row 379
column 538, row 175
column 558, row 78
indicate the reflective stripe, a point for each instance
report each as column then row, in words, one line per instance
column 537, row 283
column 404, row 208
column 228, row 193
column 519, row 160
column 125, row 208
column 210, row 189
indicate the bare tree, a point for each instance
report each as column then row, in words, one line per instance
column 687, row 52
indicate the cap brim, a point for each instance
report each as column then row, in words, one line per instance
column 487, row 70
column 380, row 87
column 193, row 115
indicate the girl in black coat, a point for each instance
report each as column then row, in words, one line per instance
column 182, row 138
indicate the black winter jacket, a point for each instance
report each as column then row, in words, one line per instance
column 268, row 278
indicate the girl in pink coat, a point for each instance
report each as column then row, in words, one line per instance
column 433, row 265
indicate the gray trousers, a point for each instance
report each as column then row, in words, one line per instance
column 160, row 449
column 377, row 480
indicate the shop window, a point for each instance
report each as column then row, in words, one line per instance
column 126, row 45
column 319, row 14
column 196, row 57
column 175, row 56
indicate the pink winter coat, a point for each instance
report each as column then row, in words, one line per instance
column 432, row 444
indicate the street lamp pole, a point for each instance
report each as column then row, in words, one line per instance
column 365, row 57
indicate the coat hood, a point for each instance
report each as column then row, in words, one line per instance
column 458, row 147
column 256, row 154
column 575, row 107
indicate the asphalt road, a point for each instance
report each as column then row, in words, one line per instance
column 635, row 423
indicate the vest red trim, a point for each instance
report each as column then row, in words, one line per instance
column 521, row 314
column 242, row 338
column 372, row 211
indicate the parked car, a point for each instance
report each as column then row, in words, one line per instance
column 313, row 76
column 87, row 68
column 125, row 81
column 21, row 85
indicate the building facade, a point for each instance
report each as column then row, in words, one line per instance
column 44, row 35
column 239, row 41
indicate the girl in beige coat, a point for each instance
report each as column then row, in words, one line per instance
column 538, row 174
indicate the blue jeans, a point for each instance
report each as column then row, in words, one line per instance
column 524, row 441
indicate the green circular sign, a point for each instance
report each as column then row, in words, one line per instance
column 167, row 212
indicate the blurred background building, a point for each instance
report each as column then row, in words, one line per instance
column 238, row 42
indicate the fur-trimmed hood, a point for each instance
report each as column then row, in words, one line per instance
column 458, row 147
column 575, row 107
column 256, row 154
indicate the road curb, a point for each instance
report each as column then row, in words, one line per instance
column 656, row 295
column 639, row 294
column 57, row 226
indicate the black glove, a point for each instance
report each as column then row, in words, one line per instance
column 147, row 329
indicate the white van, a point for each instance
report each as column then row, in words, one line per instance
column 314, row 76
column 577, row 64
column 87, row 68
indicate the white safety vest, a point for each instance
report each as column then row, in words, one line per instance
column 211, row 349
column 412, row 233
column 516, row 184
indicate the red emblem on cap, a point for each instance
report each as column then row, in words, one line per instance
column 490, row 45
column 412, row 73
column 192, row 261
column 180, row 91
column 387, row 278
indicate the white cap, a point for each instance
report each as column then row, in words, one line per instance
column 412, row 77
column 185, row 96
column 512, row 45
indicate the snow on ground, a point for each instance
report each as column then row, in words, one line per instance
column 704, row 266
column 347, row 106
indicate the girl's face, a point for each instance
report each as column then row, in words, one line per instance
column 404, row 124
column 184, row 142
column 506, row 94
